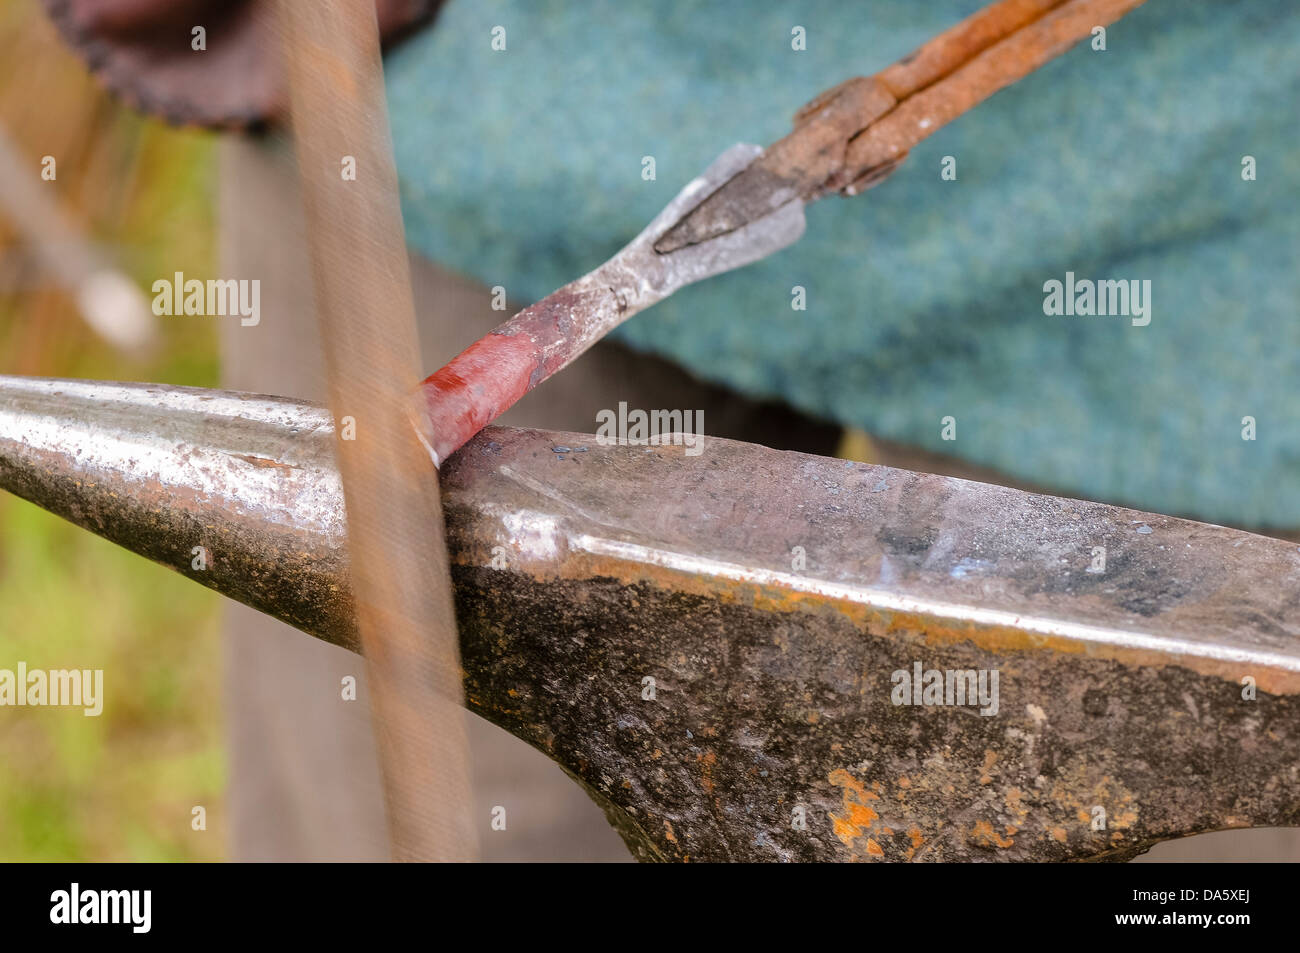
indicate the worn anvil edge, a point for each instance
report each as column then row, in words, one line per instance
column 993, row 628
column 552, row 535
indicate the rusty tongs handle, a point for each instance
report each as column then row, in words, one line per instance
column 854, row 135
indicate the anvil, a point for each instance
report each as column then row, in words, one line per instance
column 712, row 645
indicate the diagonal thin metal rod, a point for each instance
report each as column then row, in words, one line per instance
column 367, row 319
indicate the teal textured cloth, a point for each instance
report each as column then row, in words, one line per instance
column 925, row 297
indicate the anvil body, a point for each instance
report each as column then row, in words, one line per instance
column 709, row 643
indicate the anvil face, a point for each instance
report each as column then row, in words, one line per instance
column 749, row 654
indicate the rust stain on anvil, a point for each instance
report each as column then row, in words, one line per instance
column 261, row 461
column 858, row 815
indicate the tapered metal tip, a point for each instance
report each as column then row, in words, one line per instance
column 236, row 491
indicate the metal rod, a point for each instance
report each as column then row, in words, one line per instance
column 854, row 135
column 489, row 376
column 887, row 140
column 366, row 313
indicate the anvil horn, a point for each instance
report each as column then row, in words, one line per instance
column 750, row 654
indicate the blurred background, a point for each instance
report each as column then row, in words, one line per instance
column 210, row 716
column 120, row 786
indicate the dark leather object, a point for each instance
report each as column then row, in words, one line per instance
column 142, row 50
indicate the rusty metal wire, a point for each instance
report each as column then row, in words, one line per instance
column 854, row 135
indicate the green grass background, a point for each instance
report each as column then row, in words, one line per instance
column 120, row 786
